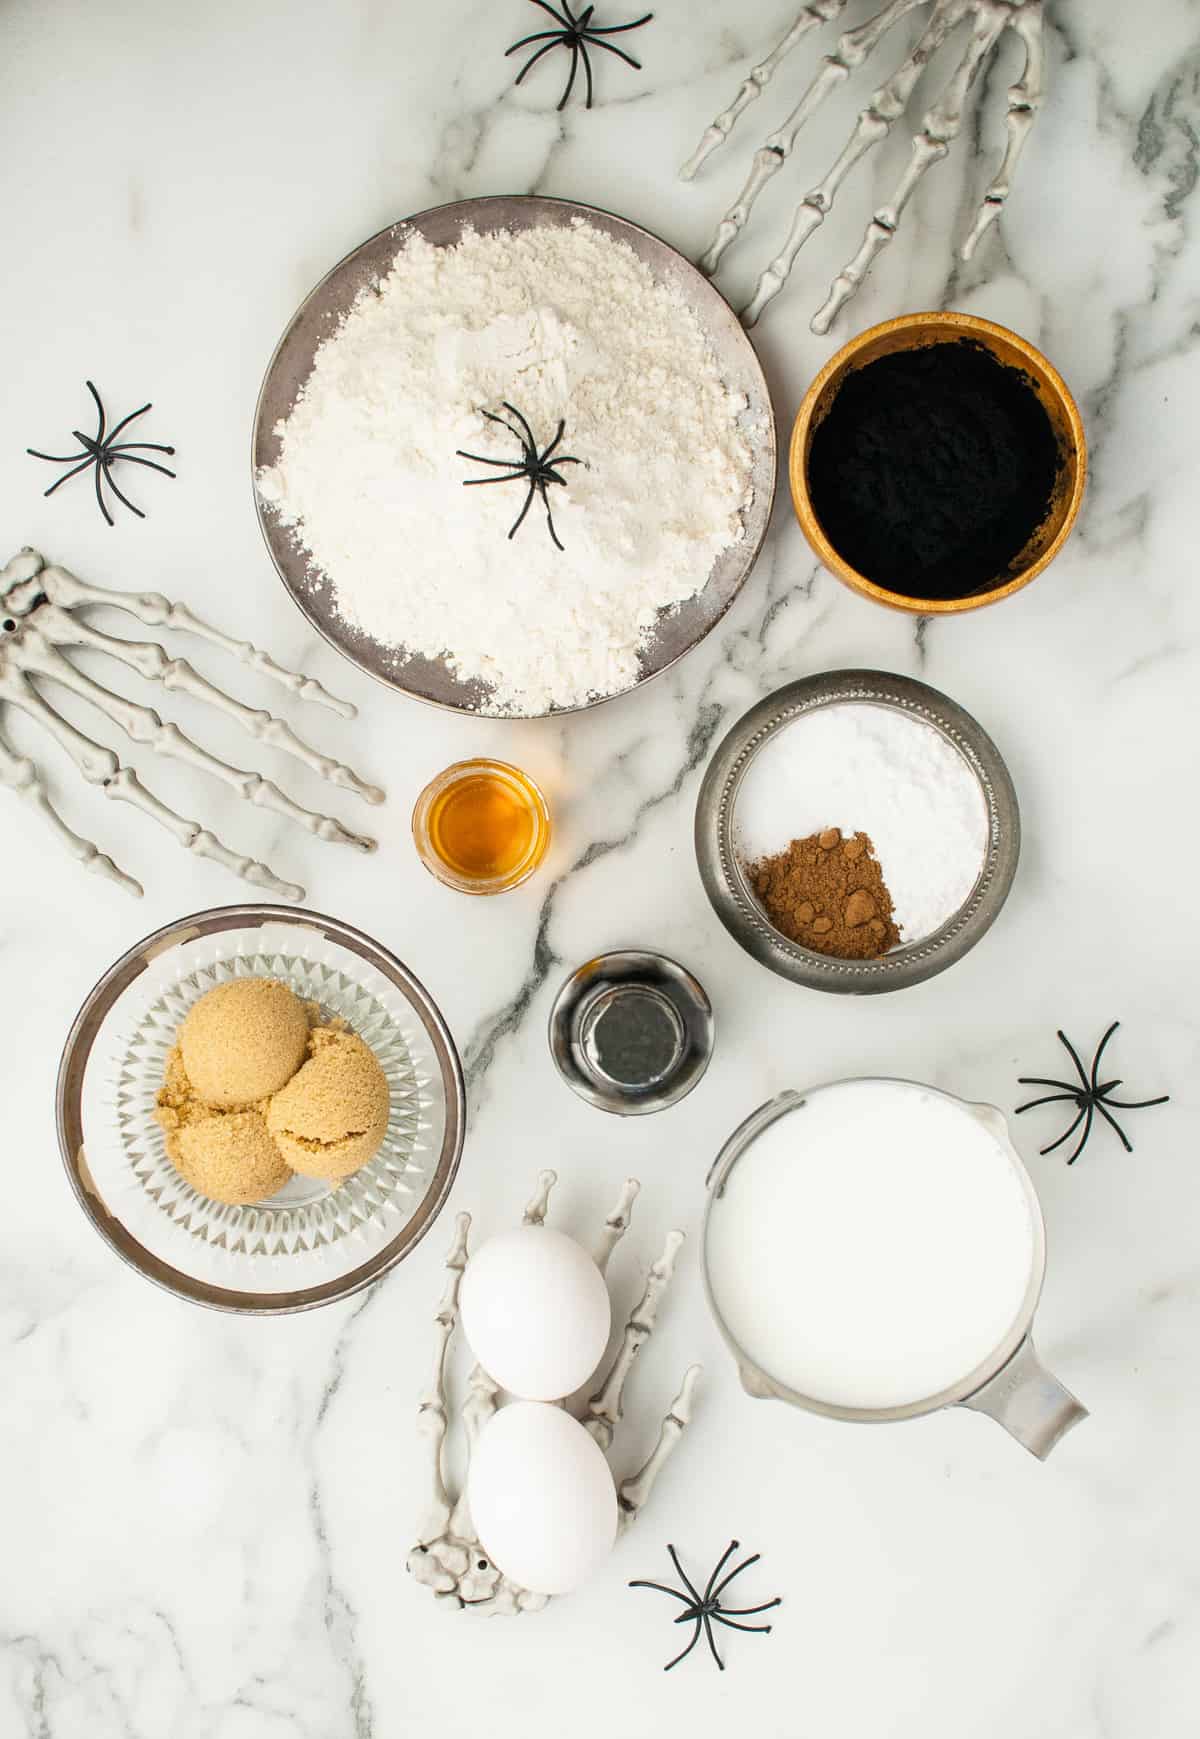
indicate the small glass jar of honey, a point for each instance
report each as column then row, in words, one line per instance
column 481, row 827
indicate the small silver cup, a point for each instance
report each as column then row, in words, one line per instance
column 1011, row 1385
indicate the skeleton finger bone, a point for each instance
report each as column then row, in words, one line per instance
column 478, row 1408
column 143, row 725
column 19, row 774
column 940, row 128
column 633, row 1493
column 150, row 661
column 101, row 767
column 990, row 19
column 606, row 1405
column 155, row 611
column 432, row 1419
column 874, row 124
column 448, row 1557
column 756, row 81
column 535, row 1207
column 852, row 50
column 1024, row 101
column 617, row 1223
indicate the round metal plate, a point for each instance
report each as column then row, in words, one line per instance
column 319, row 315
column 721, row 871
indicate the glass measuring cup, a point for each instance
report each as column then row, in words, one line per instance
column 1008, row 1382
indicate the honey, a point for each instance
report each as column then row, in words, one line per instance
column 481, row 826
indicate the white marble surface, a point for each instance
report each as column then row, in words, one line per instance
column 203, row 1520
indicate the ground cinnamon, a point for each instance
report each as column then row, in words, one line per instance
column 827, row 893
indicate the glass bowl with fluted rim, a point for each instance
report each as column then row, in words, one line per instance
column 314, row 1241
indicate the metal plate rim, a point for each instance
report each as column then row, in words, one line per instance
column 725, row 885
column 757, row 517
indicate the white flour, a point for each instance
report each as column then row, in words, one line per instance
column 857, row 766
column 562, row 323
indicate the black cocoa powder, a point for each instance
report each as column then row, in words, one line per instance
column 933, row 468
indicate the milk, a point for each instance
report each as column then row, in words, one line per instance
column 873, row 1246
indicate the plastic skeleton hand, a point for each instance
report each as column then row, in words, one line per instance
column 988, row 21
column 448, row 1557
column 39, row 617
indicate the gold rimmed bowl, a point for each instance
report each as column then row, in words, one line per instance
column 916, row 331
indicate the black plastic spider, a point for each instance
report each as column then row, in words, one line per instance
column 533, row 467
column 101, row 450
column 702, row 1609
column 1090, row 1096
column 575, row 34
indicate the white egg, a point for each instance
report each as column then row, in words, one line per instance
column 541, row 1497
column 536, row 1312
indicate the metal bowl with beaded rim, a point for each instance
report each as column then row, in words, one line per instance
column 724, row 878
column 432, row 680
column 314, row 1241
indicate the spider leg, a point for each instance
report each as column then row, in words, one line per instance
column 1136, row 1104
column 685, row 1578
column 661, row 1588
column 482, row 459
column 538, row 36
column 541, row 487
column 717, row 1592
column 138, row 447
column 74, row 472
column 527, row 439
column 708, row 1631
column 135, row 460
column 1074, row 1054
column 613, row 49
column 99, row 412
column 587, row 70
column 1100, row 1052
column 558, row 435
column 566, row 22
column 54, row 458
column 1048, row 1099
column 762, row 1629
column 616, row 29
column 113, row 433
column 566, row 96
column 1113, row 1124
column 728, row 1612
column 509, row 477
column 686, row 1652
column 1044, row 1081
column 517, row 522
column 117, row 491
column 1084, row 1111
column 1087, row 1130
column 99, row 495
column 711, row 1592
column 505, row 425
column 531, row 62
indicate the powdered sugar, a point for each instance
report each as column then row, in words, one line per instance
column 563, row 322
column 856, row 766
